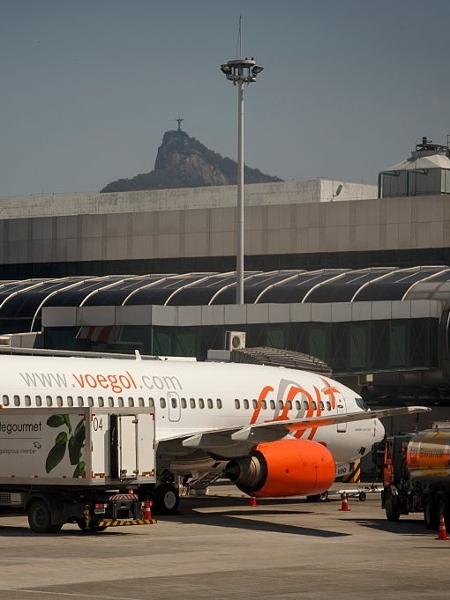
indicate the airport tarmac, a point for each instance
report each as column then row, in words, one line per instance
column 220, row 548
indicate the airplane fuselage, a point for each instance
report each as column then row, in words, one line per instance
column 191, row 398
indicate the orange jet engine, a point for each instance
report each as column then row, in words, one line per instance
column 284, row 468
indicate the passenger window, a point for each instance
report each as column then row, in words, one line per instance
column 328, row 405
column 16, row 401
column 272, row 404
column 237, row 404
column 246, row 404
column 90, row 401
column 210, row 403
column 183, row 403
column 59, row 401
column 49, row 400
column 80, row 401
column 38, row 400
column 254, row 403
column 110, row 401
column 120, row 402
column 322, row 405
column 201, row 403
column 264, row 405
column 289, row 404
column 131, row 401
column 69, row 401
column 298, row 404
column 141, row 402
column 314, row 405
column 306, row 404
column 101, row 401
column 219, row 403
column 173, row 402
column 192, row 402
column 162, row 402
column 280, row 404
column 27, row 400
column 151, row 403
column 5, row 400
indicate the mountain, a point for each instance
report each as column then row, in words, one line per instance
column 182, row 161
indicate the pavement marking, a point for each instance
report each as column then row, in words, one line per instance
column 71, row 594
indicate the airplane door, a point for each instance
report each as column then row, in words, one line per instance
column 341, row 408
column 174, row 407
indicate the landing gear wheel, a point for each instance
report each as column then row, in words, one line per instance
column 166, row 499
column 362, row 496
column 323, row 497
column 40, row 518
column 391, row 506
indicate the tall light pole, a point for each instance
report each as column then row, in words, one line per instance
column 241, row 72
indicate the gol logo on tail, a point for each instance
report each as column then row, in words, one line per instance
column 288, row 391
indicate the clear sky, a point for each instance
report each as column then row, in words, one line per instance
column 88, row 87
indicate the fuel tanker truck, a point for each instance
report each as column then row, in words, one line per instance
column 416, row 475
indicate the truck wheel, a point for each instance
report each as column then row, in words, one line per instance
column 82, row 525
column 430, row 515
column 91, row 527
column 391, row 507
column 40, row 518
column 166, row 499
column 96, row 527
column 442, row 508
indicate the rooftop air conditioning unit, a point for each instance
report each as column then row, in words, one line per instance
column 234, row 340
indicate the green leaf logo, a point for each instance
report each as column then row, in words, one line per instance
column 67, row 439
column 56, row 455
column 56, row 420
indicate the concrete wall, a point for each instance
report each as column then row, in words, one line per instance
column 230, row 314
column 359, row 225
column 287, row 192
column 281, row 218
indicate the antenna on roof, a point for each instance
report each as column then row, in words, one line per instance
column 239, row 40
column 240, row 36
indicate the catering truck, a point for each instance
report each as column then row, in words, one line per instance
column 78, row 465
column 416, row 474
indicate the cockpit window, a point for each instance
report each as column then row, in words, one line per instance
column 361, row 404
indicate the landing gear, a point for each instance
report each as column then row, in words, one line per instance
column 166, row 499
column 323, row 497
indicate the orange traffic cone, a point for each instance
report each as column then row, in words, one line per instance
column 442, row 529
column 147, row 511
column 252, row 501
column 344, row 504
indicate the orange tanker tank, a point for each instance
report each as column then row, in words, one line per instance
column 428, row 454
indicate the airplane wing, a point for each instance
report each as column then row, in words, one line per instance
column 270, row 431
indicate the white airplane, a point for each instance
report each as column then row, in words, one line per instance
column 273, row 431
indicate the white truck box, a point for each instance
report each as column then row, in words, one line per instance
column 76, row 447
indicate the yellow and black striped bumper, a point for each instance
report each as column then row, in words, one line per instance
column 124, row 522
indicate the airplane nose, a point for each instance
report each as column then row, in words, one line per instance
column 379, row 433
